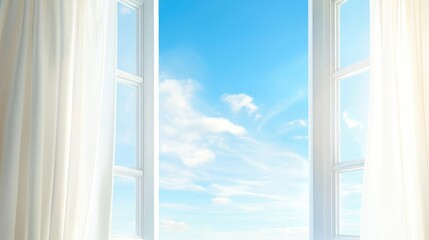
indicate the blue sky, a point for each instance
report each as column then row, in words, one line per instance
column 234, row 119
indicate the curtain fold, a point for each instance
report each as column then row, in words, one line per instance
column 396, row 181
column 57, row 88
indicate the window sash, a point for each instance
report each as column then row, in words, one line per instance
column 146, row 82
column 325, row 76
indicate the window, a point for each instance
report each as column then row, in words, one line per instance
column 339, row 70
column 135, row 169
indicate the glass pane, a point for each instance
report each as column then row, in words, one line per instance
column 127, row 39
column 354, row 31
column 124, row 206
column 126, row 126
column 353, row 115
column 350, row 202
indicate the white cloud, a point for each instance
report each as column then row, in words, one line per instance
column 221, row 201
column 176, row 206
column 297, row 123
column 185, row 130
column 290, row 230
column 350, row 123
column 291, row 126
column 249, row 208
column 175, row 97
column 298, row 137
column 191, row 155
column 172, row 225
column 256, row 233
column 177, row 178
column 279, row 109
column 219, row 160
column 240, row 101
column 199, row 156
column 244, row 190
column 216, row 125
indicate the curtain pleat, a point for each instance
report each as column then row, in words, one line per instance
column 57, row 95
column 396, row 181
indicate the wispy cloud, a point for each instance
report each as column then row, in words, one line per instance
column 350, row 123
column 280, row 108
column 185, row 130
column 214, row 125
column 234, row 173
column 172, row 225
column 292, row 125
column 221, row 201
column 298, row 137
column 267, row 233
column 289, row 230
column 297, row 123
column 176, row 178
column 242, row 190
column 190, row 154
column 176, row 206
column 241, row 101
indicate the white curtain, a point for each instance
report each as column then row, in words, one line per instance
column 57, row 63
column 396, row 183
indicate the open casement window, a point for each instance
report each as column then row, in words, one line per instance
column 135, row 171
column 339, row 80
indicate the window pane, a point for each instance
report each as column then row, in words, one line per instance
column 126, row 126
column 124, row 206
column 353, row 117
column 127, row 39
column 350, row 202
column 354, row 31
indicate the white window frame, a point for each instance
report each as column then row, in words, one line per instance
column 324, row 76
column 146, row 83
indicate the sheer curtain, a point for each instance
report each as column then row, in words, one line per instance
column 396, row 184
column 57, row 63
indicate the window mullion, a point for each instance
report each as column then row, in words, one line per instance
column 320, row 117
